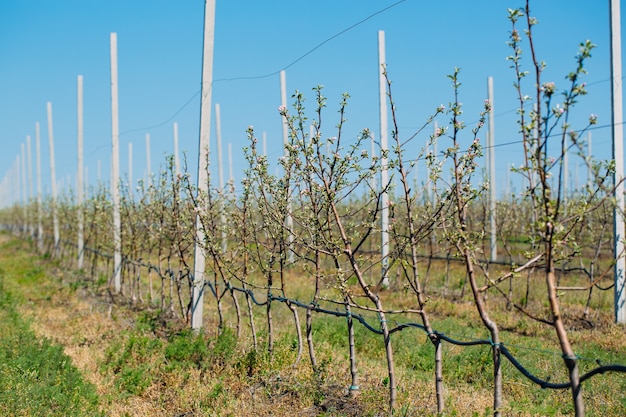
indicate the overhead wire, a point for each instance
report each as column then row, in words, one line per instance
column 271, row 74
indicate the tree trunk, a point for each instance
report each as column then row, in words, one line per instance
column 571, row 361
column 493, row 331
column 354, row 381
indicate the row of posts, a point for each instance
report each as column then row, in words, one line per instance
column 203, row 163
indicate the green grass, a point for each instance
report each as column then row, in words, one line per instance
column 36, row 377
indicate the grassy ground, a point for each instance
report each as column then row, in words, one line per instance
column 36, row 377
column 137, row 363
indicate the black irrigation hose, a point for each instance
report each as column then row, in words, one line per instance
column 462, row 343
column 543, row 383
column 313, row 307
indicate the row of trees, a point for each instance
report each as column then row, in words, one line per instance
column 315, row 228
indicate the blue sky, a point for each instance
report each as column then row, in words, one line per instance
column 45, row 45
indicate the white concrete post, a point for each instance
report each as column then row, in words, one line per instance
column 288, row 218
column 24, row 193
column 231, row 177
column 30, row 179
column 16, row 178
column 53, row 180
column 148, row 166
column 130, row 169
column 373, row 156
column 39, row 192
column 589, row 170
column 264, row 144
column 220, row 174
column 176, row 160
column 565, row 166
column 618, row 156
column 79, row 177
column 491, row 164
column 115, row 169
column 384, row 175
column 203, row 162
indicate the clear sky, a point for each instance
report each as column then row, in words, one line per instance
column 45, row 45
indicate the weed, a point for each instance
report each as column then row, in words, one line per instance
column 224, row 348
column 249, row 363
column 186, row 349
column 36, row 377
column 134, row 380
column 149, row 320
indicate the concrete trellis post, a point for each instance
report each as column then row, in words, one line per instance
column 372, row 158
column 589, row 170
column 565, row 174
column 231, row 177
column 3, row 192
column 148, row 167
column 115, row 170
column 288, row 218
column 507, row 183
column 12, row 185
column 53, row 181
column 24, row 193
column 618, row 156
column 16, row 181
column 130, row 169
column 176, row 159
column 491, row 166
column 264, row 144
column 384, row 175
column 197, row 296
column 220, row 174
column 30, row 179
column 79, row 177
column 9, row 189
column 39, row 192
